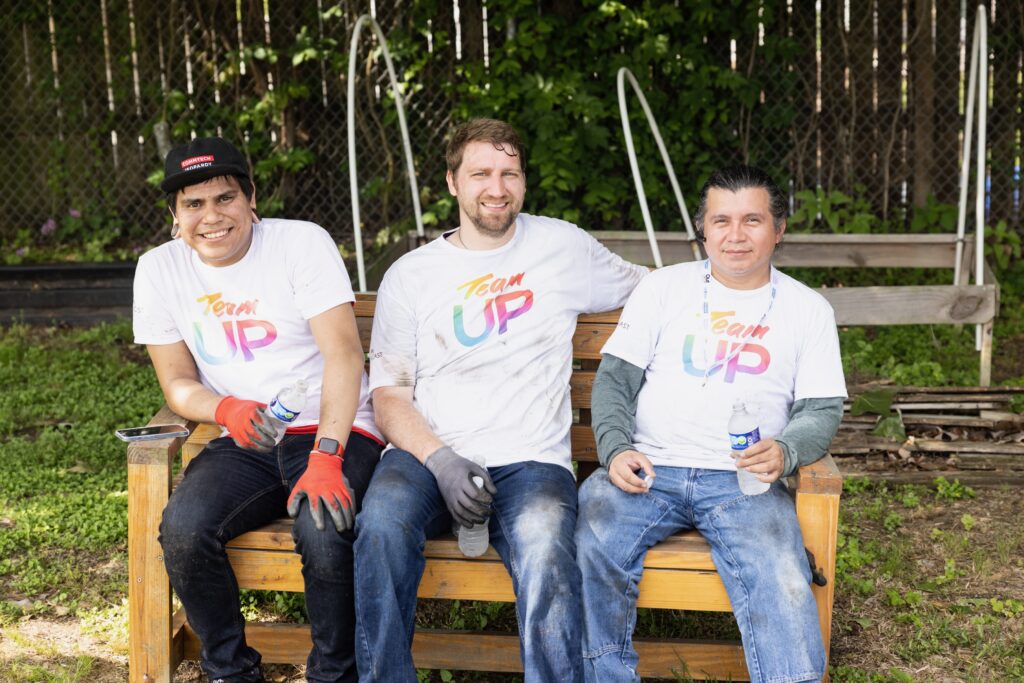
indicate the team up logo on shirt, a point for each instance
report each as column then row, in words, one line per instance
column 241, row 334
column 500, row 305
column 727, row 335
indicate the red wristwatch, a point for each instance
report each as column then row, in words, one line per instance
column 328, row 446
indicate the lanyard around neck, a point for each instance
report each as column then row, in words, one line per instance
column 706, row 315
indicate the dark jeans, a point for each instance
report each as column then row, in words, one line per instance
column 532, row 526
column 227, row 491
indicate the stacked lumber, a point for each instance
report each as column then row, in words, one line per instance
column 969, row 433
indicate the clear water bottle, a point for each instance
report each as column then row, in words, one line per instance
column 286, row 406
column 473, row 540
column 743, row 433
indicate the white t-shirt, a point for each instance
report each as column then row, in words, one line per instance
column 793, row 354
column 247, row 324
column 485, row 337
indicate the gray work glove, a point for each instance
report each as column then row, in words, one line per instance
column 467, row 503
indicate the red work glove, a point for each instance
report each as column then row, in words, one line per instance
column 324, row 485
column 247, row 423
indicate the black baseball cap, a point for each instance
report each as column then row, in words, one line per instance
column 202, row 159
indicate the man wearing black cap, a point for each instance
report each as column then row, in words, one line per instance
column 232, row 310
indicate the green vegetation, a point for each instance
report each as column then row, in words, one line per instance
column 63, row 492
column 943, row 586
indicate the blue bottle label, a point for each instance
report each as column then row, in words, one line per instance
column 281, row 413
column 745, row 440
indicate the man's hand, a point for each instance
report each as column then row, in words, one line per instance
column 764, row 459
column 468, row 503
column 324, row 485
column 625, row 468
column 247, row 423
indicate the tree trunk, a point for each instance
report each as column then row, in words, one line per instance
column 865, row 141
column 946, row 147
column 1005, row 47
column 890, row 112
column 922, row 104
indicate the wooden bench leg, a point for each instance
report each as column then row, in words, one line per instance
column 150, row 657
column 819, row 521
column 985, row 370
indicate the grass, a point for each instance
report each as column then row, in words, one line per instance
column 939, row 594
column 930, row 579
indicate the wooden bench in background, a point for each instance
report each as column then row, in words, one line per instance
column 678, row 573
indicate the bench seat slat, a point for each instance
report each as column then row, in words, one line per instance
column 686, row 550
column 482, row 579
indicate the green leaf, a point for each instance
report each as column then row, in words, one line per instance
column 876, row 402
column 891, row 427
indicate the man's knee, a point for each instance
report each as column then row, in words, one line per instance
column 326, row 552
column 544, row 535
column 185, row 530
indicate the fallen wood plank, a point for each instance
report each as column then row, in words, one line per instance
column 968, row 478
column 966, row 405
column 925, row 397
column 866, row 443
column 872, row 386
column 933, row 420
column 987, row 461
column 1001, row 418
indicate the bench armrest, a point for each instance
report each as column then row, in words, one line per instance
column 159, row 450
column 821, row 476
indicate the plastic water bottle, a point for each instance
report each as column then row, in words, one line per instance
column 286, row 406
column 473, row 540
column 743, row 433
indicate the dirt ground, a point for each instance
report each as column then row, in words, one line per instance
column 867, row 632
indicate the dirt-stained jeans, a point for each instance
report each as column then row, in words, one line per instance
column 756, row 546
column 532, row 524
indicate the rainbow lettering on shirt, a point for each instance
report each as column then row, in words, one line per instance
column 499, row 305
column 242, row 335
column 730, row 335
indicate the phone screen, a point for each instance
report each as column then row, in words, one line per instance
column 151, row 432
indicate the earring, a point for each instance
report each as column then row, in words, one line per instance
column 174, row 230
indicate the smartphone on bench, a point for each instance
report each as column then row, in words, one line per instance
column 151, row 432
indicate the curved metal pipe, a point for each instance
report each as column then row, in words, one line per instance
column 622, row 75
column 407, row 146
column 977, row 86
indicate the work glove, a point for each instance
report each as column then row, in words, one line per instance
column 325, row 486
column 468, row 503
column 247, row 423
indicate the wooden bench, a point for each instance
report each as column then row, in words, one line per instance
column 678, row 573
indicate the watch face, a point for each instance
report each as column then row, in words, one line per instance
column 328, row 445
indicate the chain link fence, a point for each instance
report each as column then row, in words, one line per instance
column 96, row 91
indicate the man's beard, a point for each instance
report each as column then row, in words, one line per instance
column 496, row 227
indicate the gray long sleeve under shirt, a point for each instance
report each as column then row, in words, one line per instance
column 812, row 421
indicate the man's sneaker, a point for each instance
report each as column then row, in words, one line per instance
column 253, row 675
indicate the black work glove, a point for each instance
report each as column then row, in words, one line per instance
column 468, row 503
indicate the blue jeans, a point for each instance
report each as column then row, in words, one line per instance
column 227, row 491
column 756, row 546
column 532, row 526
